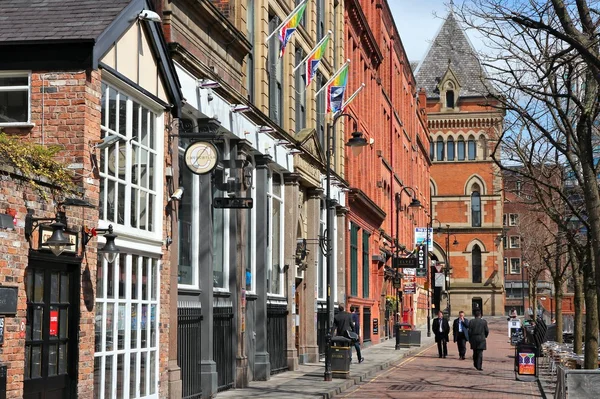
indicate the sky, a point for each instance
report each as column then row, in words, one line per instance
column 418, row 21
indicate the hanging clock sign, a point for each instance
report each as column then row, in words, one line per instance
column 201, row 157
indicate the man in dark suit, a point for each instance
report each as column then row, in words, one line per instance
column 460, row 332
column 478, row 332
column 342, row 322
column 441, row 329
column 356, row 321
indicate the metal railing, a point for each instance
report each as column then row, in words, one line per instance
column 277, row 338
column 223, row 350
column 189, row 317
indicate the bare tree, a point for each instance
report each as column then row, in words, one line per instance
column 544, row 64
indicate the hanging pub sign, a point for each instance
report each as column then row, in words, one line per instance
column 233, row 202
column 410, row 288
column 404, row 262
column 421, row 266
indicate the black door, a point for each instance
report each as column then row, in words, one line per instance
column 477, row 304
column 51, row 330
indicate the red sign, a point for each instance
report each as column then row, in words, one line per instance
column 53, row 323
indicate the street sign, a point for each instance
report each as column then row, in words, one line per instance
column 404, row 262
column 232, row 202
column 422, row 238
column 439, row 280
column 410, row 288
column 409, row 271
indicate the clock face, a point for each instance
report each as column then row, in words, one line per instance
column 121, row 157
column 201, row 157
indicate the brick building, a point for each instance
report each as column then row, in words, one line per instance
column 466, row 185
column 94, row 78
column 389, row 173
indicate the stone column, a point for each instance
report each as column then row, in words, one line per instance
column 290, row 237
column 308, row 306
column 262, row 363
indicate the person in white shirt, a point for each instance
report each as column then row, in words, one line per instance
column 460, row 332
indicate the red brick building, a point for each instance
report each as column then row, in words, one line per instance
column 466, row 185
column 94, row 78
column 391, row 170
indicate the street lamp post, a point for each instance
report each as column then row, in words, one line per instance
column 429, row 271
column 448, row 268
column 356, row 143
column 415, row 203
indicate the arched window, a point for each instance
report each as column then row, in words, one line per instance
column 440, row 149
column 450, row 149
column 450, row 99
column 472, row 148
column 460, row 148
column 476, row 263
column 475, row 207
column 431, row 150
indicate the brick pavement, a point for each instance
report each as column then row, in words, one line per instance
column 406, row 373
column 426, row 375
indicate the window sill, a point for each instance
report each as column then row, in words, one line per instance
column 17, row 125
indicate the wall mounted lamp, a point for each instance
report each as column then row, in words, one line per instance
column 109, row 250
column 57, row 241
column 240, row 108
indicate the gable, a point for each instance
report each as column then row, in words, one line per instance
column 309, row 142
column 132, row 57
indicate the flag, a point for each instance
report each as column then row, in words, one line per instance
column 288, row 28
column 314, row 59
column 336, row 90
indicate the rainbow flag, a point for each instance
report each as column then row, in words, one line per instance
column 336, row 90
column 288, row 28
column 313, row 60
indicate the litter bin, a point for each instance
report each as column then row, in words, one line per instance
column 340, row 357
column 407, row 337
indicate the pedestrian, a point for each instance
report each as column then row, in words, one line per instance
column 460, row 332
column 356, row 321
column 441, row 329
column 478, row 332
column 343, row 325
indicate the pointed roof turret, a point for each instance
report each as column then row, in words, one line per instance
column 451, row 48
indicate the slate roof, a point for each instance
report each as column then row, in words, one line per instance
column 451, row 45
column 27, row 21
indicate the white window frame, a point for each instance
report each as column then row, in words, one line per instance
column 12, row 74
column 226, row 242
column 195, row 232
column 125, row 228
column 513, row 219
column 252, row 239
column 513, row 267
column 271, row 197
column 515, row 241
column 127, row 351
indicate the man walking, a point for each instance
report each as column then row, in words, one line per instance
column 441, row 329
column 356, row 321
column 343, row 324
column 460, row 332
column 478, row 332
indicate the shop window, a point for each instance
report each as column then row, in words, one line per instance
column 353, row 259
column 14, row 98
column 126, row 359
column 251, row 241
column 129, row 168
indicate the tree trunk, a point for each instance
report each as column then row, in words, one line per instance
column 577, row 302
column 558, row 315
column 591, row 316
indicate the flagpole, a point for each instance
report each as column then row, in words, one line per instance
column 329, row 33
column 349, row 100
column 333, row 77
column 285, row 21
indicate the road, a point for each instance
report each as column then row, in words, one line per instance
column 425, row 375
